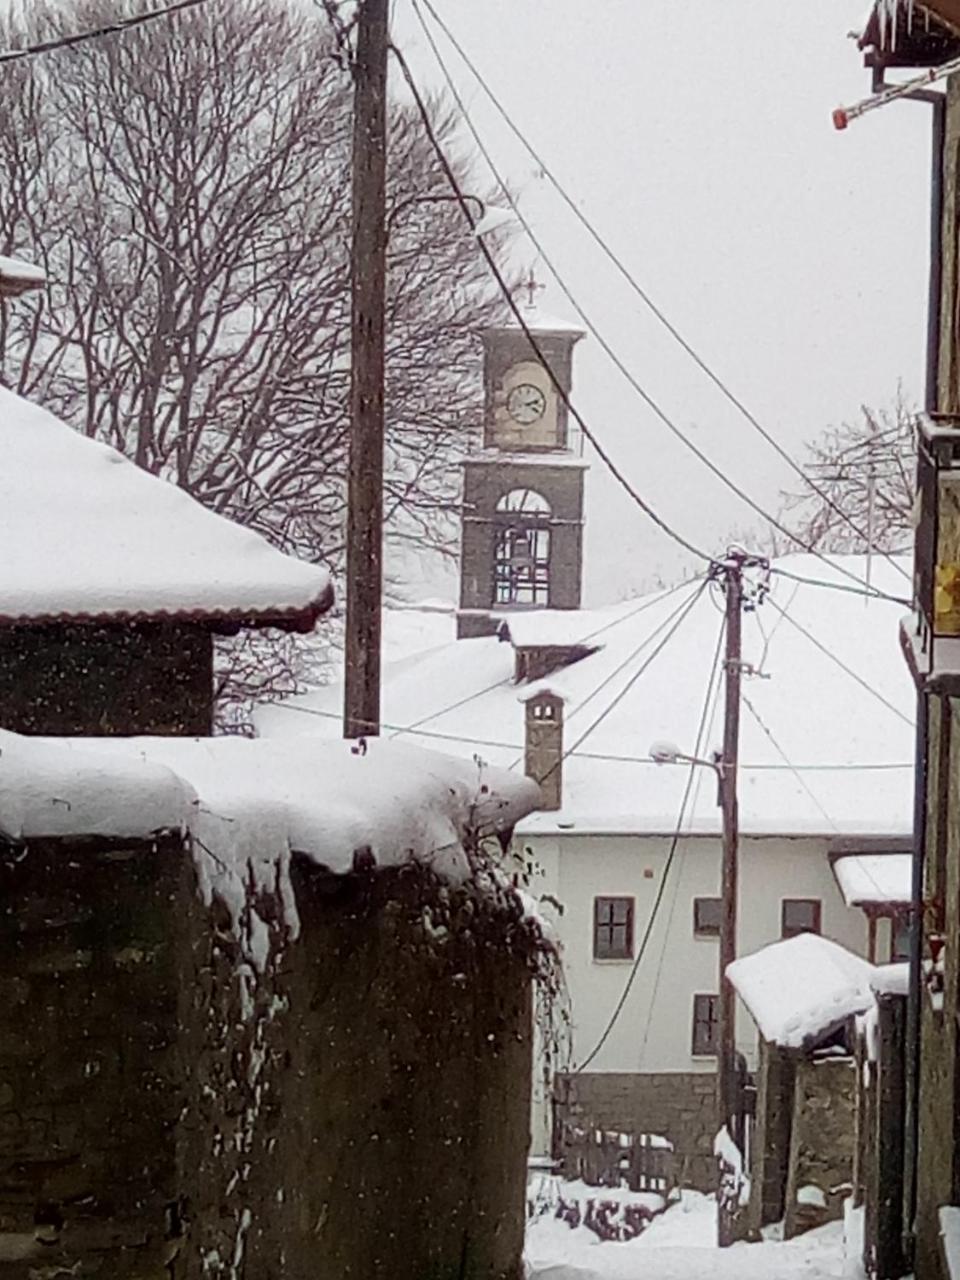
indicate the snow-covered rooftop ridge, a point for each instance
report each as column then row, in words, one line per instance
column 89, row 535
column 874, row 879
column 801, row 988
column 849, row 744
column 562, row 628
column 539, row 321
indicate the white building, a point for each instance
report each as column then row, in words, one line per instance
column 629, row 850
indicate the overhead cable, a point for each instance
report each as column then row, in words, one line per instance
column 518, row 316
column 621, row 267
column 668, row 862
column 116, row 27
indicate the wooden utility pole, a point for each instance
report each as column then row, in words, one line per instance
column 730, row 574
column 729, row 876
column 368, row 267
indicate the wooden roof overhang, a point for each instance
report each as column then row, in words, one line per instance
column 220, row 622
column 925, row 35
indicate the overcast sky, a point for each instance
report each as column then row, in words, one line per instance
column 697, row 139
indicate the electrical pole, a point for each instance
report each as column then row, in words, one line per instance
column 368, row 267
column 727, row 1074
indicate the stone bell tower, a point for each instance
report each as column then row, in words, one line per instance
column 522, row 542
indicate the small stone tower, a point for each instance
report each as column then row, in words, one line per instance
column 522, row 544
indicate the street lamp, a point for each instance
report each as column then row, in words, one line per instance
column 729, row 1108
column 17, row 277
column 487, row 218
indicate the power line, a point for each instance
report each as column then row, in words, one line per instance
column 525, row 329
column 840, row 586
column 874, row 693
column 668, row 863
column 865, row 588
column 783, row 755
column 592, row 635
column 677, row 619
column 112, row 28
column 677, row 880
column 701, row 364
column 613, row 757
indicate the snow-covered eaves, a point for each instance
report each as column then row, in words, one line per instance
column 89, row 536
column 538, row 321
column 911, row 33
column 18, row 277
column 800, row 989
column 874, row 880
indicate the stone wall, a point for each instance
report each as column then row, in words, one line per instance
column 91, row 1081
column 370, row 1110
column 483, row 486
column 116, row 679
column 198, row 1097
column 770, row 1144
column 681, row 1106
column 822, row 1140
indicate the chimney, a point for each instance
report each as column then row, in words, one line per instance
column 543, row 746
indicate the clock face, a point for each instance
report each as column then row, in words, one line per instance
column 526, row 404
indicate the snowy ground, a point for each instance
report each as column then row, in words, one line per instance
column 680, row 1246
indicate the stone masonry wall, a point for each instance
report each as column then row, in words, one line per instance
column 681, row 1106
column 116, row 679
column 199, row 1098
column 770, row 1155
column 483, row 486
column 361, row 1108
column 822, row 1140
column 91, row 1082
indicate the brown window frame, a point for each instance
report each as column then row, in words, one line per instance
column 816, row 903
column 705, row 1027
column 607, row 951
column 701, row 930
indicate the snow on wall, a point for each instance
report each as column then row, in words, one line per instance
column 86, row 533
column 250, row 805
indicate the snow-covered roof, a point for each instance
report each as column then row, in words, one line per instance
column 800, row 989
column 850, row 743
column 86, row 534
column 18, row 277
column 560, row 628
column 874, row 879
column 540, row 321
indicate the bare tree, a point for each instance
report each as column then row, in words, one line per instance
column 186, row 186
column 867, row 470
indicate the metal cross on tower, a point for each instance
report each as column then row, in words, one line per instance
column 533, row 286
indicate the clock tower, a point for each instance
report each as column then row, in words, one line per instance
column 522, row 542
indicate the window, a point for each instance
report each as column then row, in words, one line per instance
column 706, row 917
column 704, row 1025
column 522, row 549
column 799, row 915
column 612, row 928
